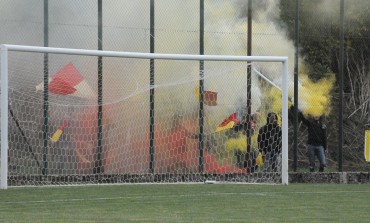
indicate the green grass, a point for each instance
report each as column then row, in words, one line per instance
column 187, row 203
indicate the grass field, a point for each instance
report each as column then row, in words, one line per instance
column 188, row 203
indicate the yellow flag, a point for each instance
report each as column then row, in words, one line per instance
column 59, row 132
column 259, row 159
column 229, row 125
column 367, row 145
column 56, row 135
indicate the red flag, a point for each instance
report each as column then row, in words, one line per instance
column 210, row 97
column 228, row 123
column 68, row 81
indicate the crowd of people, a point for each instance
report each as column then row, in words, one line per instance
column 269, row 142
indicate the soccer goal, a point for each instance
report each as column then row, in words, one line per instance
column 73, row 116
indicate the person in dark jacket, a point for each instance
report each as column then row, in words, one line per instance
column 269, row 143
column 316, row 142
column 247, row 128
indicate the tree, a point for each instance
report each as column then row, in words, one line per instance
column 319, row 49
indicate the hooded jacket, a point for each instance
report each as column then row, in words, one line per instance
column 316, row 131
column 269, row 135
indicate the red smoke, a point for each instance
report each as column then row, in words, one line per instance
column 175, row 150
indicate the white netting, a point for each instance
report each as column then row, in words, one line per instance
column 74, row 152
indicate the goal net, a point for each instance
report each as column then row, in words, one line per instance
column 71, row 116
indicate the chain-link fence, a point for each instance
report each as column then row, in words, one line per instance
column 175, row 26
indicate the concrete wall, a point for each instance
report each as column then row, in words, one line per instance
column 335, row 177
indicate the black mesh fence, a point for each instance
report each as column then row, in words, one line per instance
column 126, row 26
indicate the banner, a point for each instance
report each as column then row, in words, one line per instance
column 367, row 145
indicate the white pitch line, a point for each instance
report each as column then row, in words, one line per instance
column 181, row 195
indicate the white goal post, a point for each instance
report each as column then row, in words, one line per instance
column 6, row 110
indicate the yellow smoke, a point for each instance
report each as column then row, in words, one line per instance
column 315, row 97
column 240, row 143
column 275, row 102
